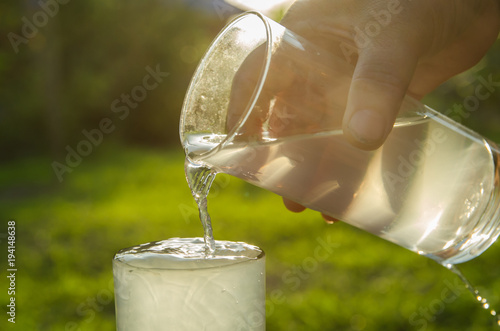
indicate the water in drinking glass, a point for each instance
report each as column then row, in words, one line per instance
column 173, row 285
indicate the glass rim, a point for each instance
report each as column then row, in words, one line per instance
column 258, row 86
column 222, row 262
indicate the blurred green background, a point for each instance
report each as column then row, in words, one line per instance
column 64, row 75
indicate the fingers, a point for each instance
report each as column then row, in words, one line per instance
column 297, row 208
column 246, row 91
column 329, row 219
column 380, row 81
column 243, row 88
column 293, row 206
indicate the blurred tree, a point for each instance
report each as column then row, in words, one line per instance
column 63, row 65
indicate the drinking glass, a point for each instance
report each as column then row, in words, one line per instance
column 173, row 285
column 266, row 105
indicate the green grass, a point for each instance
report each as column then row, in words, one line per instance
column 67, row 234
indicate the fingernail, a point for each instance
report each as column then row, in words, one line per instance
column 367, row 126
column 329, row 220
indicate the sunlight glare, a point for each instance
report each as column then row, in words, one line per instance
column 264, row 6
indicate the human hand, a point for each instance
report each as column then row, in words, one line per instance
column 397, row 48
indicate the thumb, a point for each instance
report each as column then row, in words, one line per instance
column 380, row 81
